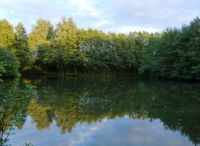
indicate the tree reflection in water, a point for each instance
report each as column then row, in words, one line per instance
column 13, row 107
column 78, row 100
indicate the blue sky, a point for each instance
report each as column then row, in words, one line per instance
column 108, row 15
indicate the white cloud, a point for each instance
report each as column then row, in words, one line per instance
column 109, row 15
column 81, row 133
column 103, row 23
column 84, row 7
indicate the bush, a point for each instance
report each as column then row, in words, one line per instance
column 8, row 63
column 2, row 69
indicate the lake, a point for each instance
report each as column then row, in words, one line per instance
column 99, row 111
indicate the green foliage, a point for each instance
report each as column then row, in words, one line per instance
column 65, row 44
column 2, row 69
column 175, row 53
column 13, row 107
column 73, row 50
column 7, row 36
column 9, row 63
column 40, row 35
column 21, row 45
column 67, row 49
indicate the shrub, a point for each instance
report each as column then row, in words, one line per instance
column 8, row 63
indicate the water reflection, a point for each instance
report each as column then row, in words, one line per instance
column 13, row 107
column 103, row 111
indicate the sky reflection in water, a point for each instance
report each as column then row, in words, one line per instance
column 117, row 132
column 101, row 112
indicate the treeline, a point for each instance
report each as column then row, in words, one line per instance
column 66, row 49
column 175, row 53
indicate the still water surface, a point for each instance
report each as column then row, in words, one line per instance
column 99, row 112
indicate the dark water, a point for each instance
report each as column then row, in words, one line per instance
column 99, row 112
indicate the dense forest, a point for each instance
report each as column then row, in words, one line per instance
column 67, row 49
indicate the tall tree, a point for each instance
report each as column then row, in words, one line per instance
column 7, row 35
column 40, row 35
column 21, row 46
column 65, row 44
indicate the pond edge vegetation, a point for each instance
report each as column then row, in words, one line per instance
column 69, row 50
